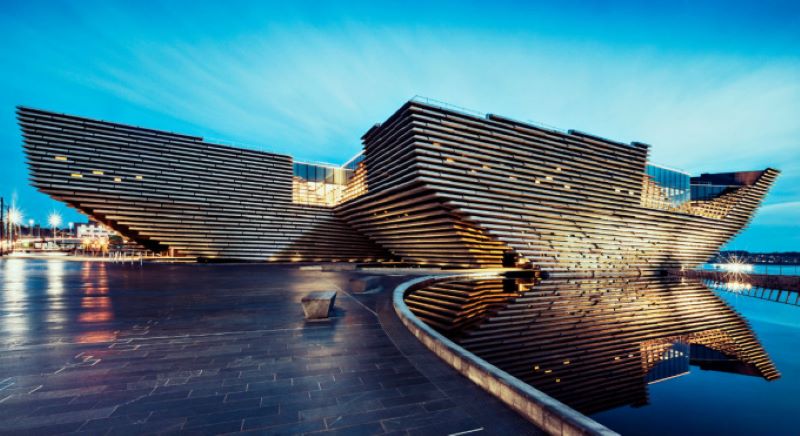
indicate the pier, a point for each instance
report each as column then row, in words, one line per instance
column 772, row 287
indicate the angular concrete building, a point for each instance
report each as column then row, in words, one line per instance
column 434, row 185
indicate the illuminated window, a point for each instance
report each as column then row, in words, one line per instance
column 549, row 177
column 117, row 179
column 139, row 177
column 61, row 158
column 76, row 175
column 97, row 172
column 325, row 185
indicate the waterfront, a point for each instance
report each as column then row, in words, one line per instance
column 641, row 356
column 712, row 402
column 102, row 348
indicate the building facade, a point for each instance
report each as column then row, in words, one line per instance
column 434, row 185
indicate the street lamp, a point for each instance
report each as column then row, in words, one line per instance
column 14, row 216
column 54, row 220
column 14, row 219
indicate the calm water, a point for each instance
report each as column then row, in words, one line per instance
column 642, row 356
column 713, row 402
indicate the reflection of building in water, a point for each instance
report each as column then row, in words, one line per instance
column 596, row 343
column 665, row 358
column 454, row 307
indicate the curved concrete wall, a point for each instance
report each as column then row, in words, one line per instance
column 551, row 415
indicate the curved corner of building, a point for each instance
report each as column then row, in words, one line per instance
column 549, row 414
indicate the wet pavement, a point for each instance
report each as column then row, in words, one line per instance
column 100, row 348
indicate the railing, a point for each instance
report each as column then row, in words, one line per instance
column 762, row 281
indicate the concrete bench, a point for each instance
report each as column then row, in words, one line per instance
column 318, row 304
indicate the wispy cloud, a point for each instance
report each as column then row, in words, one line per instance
column 312, row 87
column 305, row 89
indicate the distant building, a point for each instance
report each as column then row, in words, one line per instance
column 93, row 231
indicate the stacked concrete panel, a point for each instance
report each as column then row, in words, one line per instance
column 457, row 189
column 166, row 190
column 435, row 186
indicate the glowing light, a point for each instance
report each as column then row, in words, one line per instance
column 117, row 179
column 54, row 219
column 139, row 177
column 736, row 274
column 77, row 175
column 97, row 172
column 735, row 267
column 738, row 286
column 14, row 216
column 61, row 158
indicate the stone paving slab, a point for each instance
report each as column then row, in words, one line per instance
column 97, row 348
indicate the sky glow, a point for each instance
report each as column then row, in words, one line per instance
column 713, row 87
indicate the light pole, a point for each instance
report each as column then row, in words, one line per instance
column 71, row 225
column 2, row 224
column 54, row 220
column 14, row 219
column 30, row 228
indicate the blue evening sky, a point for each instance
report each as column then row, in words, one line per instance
column 712, row 86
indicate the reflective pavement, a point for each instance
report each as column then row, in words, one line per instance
column 100, row 348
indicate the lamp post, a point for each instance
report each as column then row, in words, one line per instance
column 14, row 219
column 54, row 220
column 2, row 225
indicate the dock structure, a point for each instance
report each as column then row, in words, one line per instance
column 773, row 282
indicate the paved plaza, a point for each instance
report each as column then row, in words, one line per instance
column 100, row 348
